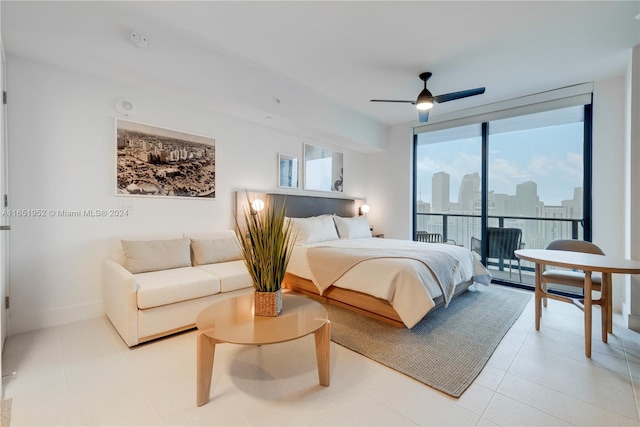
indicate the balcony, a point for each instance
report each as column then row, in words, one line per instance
column 537, row 233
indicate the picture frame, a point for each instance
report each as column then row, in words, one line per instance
column 157, row 162
column 288, row 167
column 323, row 169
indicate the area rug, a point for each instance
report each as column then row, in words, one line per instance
column 447, row 349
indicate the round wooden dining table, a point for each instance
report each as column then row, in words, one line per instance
column 588, row 263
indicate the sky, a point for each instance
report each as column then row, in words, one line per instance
column 549, row 156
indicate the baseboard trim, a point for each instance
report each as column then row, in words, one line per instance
column 25, row 323
column 633, row 321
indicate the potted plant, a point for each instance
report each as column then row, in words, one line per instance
column 266, row 241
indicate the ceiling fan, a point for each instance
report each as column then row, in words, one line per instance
column 425, row 99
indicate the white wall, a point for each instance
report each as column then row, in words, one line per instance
column 609, row 185
column 608, row 164
column 389, row 192
column 62, row 155
column 631, row 306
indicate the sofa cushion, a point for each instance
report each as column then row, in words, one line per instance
column 142, row 256
column 115, row 242
column 164, row 287
column 233, row 275
column 210, row 251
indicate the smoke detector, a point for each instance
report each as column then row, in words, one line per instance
column 139, row 39
column 126, row 107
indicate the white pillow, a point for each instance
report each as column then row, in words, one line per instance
column 153, row 255
column 314, row 229
column 211, row 251
column 352, row 228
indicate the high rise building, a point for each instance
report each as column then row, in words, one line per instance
column 500, row 204
column 440, row 192
column 422, row 220
column 469, row 192
column 574, row 206
column 527, row 201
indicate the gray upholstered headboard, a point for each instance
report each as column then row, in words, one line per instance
column 306, row 206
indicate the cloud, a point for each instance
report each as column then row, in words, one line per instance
column 548, row 156
column 501, row 176
column 541, row 165
column 572, row 168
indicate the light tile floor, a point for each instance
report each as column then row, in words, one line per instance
column 83, row 374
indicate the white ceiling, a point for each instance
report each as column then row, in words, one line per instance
column 351, row 52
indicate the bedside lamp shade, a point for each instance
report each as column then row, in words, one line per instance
column 257, row 205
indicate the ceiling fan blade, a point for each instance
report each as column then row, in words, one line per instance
column 458, row 95
column 392, row 100
column 423, row 116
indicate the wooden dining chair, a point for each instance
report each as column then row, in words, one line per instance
column 576, row 278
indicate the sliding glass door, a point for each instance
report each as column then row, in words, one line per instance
column 504, row 184
column 448, row 166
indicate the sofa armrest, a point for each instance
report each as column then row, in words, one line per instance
column 120, row 301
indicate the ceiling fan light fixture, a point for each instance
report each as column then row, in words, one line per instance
column 425, row 100
column 424, row 105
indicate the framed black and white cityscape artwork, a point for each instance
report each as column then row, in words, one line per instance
column 153, row 161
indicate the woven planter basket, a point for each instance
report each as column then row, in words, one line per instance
column 267, row 303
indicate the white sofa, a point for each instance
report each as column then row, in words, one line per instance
column 157, row 285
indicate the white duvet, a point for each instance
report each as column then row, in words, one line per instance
column 408, row 285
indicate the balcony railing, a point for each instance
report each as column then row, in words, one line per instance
column 537, row 233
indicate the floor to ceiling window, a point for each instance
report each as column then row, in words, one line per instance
column 448, row 166
column 522, row 179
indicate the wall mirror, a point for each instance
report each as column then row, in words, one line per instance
column 323, row 169
column 287, row 171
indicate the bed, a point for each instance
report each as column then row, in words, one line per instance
column 396, row 281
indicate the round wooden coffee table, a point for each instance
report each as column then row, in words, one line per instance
column 232, row 321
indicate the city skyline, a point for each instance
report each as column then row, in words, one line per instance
column 547, row 150
column 159, row 162
column 516, row 211
column 525, row 201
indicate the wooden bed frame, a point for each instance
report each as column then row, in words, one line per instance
column 357, row 301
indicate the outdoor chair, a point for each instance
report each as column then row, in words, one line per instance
column 423, row 236
column 503, row 242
